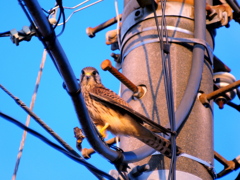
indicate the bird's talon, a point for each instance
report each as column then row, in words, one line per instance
column 102, row 131
column 79, row 141
column 102, row 134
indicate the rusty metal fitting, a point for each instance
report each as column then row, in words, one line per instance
column 205, row 98
column 218, row 15
column 112, row 37
column 78, row 134
column 92, row 31
column 221, row 101
column 138, row 91
column 86, row 153
column 229, row 166
column 141, row 91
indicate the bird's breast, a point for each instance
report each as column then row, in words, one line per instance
column 119, row 123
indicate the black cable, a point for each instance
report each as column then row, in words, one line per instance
column 42, row 123
column 55, row 146
column 169, row 92
column 63, row 16
column 5, row 34
column 27, row 14
column 166, row 66
column 47, row 12
column 59, row 17
column 38, row 34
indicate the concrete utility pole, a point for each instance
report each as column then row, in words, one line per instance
column 142, row 64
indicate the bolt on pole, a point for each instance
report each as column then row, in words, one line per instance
column 142, row 64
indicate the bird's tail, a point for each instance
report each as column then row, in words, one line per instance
column 160, row 144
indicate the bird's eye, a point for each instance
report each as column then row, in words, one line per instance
column 83, row 72
column 94, row 73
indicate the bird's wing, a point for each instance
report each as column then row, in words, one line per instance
column 107, row 94
column 112, row 99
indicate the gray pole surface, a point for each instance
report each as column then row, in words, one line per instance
column 142, row 65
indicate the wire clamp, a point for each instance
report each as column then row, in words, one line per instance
column 218, row 15
column 208, row 165
column 166, row 48
column 24, row 35
column 118, row 162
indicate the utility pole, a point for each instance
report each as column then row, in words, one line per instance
column 142, row 64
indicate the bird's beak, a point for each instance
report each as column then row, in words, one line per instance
column 88, row 75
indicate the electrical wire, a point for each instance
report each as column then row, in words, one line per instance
column 61, row 14
column 169, row 90
column 57, row 147
column 38, row 34
column 21, row 2
column 43, row 124
column 122, row 174
column 51, row 36
column 74, row 7
column 59, row 6
column 118, row 22
column 19, row 155
column 40, row 122
column 59, row 17
column 65, row 21
column 5, row 34
column 166, row 66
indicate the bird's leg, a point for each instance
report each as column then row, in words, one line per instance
column 102, row 130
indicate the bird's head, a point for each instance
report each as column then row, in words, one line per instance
column 90, row 76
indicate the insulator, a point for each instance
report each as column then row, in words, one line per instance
column 52, row 21
column 223, row 79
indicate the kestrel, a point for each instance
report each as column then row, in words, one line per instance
column 109, row 112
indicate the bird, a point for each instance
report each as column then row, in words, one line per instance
column 109, row 112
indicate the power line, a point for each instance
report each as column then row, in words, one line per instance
column 69, row 17
column 57, row 147
column 61, row 14
column 43, row 124
column 19, row 155
column 40, row 122
column 166, row 68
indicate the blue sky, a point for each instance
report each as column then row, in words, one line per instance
column 19, row 67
